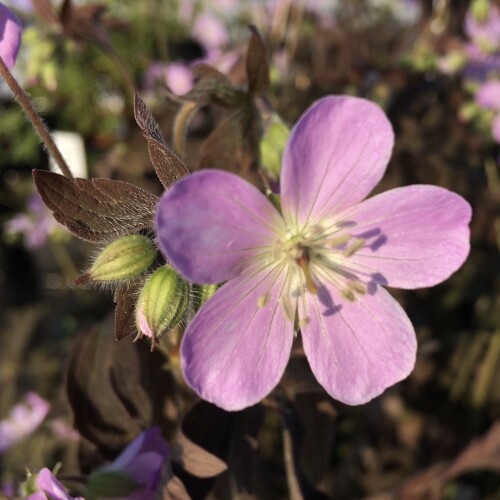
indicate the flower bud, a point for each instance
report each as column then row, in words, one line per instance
column 122, row 259
column 201, row 293
column 272, row 146
column 161, row 304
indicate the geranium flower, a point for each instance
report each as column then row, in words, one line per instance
column 488, row 97
column 49, row 488
column 142, row 461
column 23, row 420
column 318, row 265
column 10, row 36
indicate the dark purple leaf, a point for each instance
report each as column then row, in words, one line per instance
column 233, row 145
column 213, row 87
column 96, row 210
column 117, row 389
column 146, row 121
column 167, row 165
column 125, row 299
column 257, row 64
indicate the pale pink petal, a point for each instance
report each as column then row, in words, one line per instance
column 235, row 349
column 357, row 349
column 211, row 224
column 10, row 36
column 488, row 95
column 336, row 154
column 415, row 236
column 47, row 483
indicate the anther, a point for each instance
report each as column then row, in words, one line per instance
column 339, row 240
column 351, row 250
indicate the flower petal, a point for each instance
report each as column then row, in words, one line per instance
column 358, row 349
column 415, row 236
column 10, row 36
column 488, row 95
column 336, row 154
column 236, row 348
column 211, row 224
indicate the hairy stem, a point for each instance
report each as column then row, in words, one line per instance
column 35, row 119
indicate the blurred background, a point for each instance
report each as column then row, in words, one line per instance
column 434, row 66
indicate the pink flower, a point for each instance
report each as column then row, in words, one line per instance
column 10, row 36
column 23, row 419
column 210, row 31
column 317, row 265
column 485, row 33
column 488, row 97
column 143, row 461
column 36, row 225
column 179, row 78
column 49, row 488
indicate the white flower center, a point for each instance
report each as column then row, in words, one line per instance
column 318, row 255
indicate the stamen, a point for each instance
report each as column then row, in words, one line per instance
column 358, row 287
column 351, row 250
column 339, row 240
column 303, row 263
column 348, row 295
column 288, row 307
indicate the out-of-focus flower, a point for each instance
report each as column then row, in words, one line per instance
column 46, row 487
column 488, row 97
column 484, row 29
column 10, row 36
column 36, row 225
column 136, row 473
column 482, row 52
column 178, row 77
column 318, row 265
column 23, row 419
column 211, row 32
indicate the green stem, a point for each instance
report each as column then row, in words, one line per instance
column 35, row 119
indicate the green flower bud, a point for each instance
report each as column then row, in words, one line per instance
column 201, row 293
column 162, row 303
column 125, row 258
column 272, row 146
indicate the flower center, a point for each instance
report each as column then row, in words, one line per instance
column 318, row 256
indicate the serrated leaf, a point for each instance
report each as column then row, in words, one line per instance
column 125, row 298
column 167, row 165
column 257, row 64
column 96, row 210
column 146, row 121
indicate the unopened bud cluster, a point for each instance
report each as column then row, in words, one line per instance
column 123, row 259
column 162, row 303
